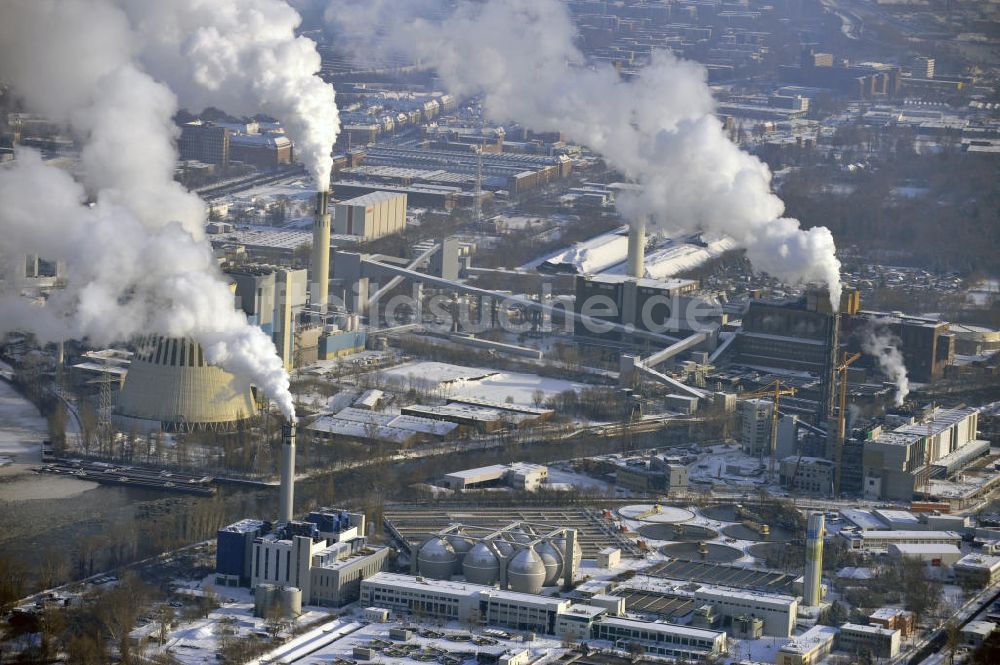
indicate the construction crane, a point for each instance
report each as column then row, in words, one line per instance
column 841, row 371
column 774, row 391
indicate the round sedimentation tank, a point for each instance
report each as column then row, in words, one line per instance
column 655, row 514
column 762, row 533
column 290, row 601
column 480, row 565
column 552, row 558
column 682, row 533
column 526, row 572
column 722, row 513
column 436, row 559
column 461, row 545
column 560, row 544
column 702, row 552
column 264, row 598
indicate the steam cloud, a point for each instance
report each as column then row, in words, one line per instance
column 658, row 129
column 242, row 56
column 884, row 346
column 130, row 237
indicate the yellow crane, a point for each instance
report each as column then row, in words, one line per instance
column 841, row 370
column 773, row 391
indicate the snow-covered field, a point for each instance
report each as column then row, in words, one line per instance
column 456, row 381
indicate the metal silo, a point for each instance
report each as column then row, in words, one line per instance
column 552, row 558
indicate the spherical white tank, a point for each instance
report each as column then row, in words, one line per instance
column 480, row 565
column 436, row 559
column 526, row 572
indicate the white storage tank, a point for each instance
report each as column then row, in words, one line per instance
column 526, row 572
column 436, row 559
column 290, row 601
column 481, row 565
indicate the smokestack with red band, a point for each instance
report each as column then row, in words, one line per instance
column 637, row 248
column 320, row 284
column 287, row 497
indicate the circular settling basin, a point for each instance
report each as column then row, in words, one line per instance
column 692, row 552
column 776, row 534
column 722, row 513
column 647, row 512
column 684, row 533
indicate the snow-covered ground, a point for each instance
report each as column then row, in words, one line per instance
column 456, row 381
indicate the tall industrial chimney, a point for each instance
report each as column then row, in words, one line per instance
column 287, row 498
column 811, row 589
column 637, row 248
column 320, row 284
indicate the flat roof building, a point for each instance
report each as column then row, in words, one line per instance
column 810, row 647
column 778, row 612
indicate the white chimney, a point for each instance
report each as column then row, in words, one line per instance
column 637, row 248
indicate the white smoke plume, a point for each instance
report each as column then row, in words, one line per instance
column 657, row 129
column 130, row 237
column 242, row 56
column 882, row 344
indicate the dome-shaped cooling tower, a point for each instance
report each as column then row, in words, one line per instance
column 553, row 561
column 170, row 386
column 461, row 545
column 436, row 559
column 480, row 565
column 526, row 572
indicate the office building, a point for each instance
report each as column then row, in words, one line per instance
column 979, row 570
column 875, row 640
column 881, row 540
column 204, row 142
column 755, row 426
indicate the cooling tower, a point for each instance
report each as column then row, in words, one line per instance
column 637, row 249
column 319, row 290
column 170, row 386
column 814, row 560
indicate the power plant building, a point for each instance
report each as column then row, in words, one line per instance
column 371, row 216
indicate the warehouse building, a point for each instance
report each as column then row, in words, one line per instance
column 661, row 639
column 371, row 216
column 881, row 540
column 933, row 555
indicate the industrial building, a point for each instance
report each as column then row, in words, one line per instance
column 927, row 344
column 322, row 558
column 371, row 216
column 808, row 648
column 896, row 463
column 807, row 475
column 204, row 142
column 171, row 386
column 878, row 641
column 464, row 602
column 881, row 540
column 519, row 475
column 273, row 299
column 755, row 425
column 981, row 570
column 654, row 474
column 934, row 555
column 777, row 612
